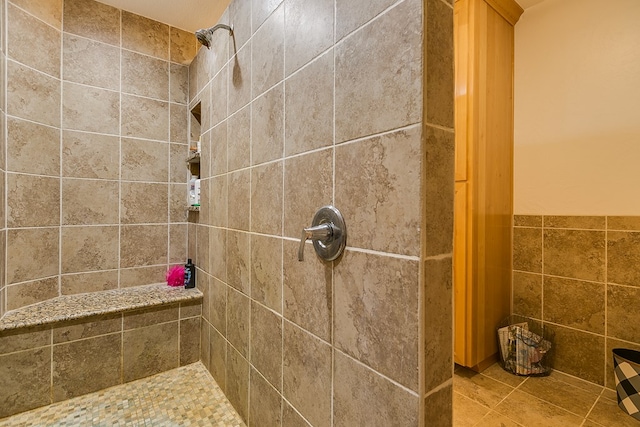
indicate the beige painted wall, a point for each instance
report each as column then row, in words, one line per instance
column 577, row 108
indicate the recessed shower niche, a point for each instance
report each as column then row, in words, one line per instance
column 193, row 159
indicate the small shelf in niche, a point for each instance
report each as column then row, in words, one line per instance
column 193, row 208
column 194, row 157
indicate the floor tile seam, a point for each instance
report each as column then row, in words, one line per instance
column 552, row 404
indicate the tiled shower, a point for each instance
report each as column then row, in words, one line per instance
column 97, row 114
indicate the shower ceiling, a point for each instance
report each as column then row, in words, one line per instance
column 188, row 15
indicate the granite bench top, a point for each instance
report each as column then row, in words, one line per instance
column 71, row 307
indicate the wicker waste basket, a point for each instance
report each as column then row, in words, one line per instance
column 524, row 347
column 626, row 367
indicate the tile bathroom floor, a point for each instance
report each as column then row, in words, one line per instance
column 496, row 398
column 186, row 396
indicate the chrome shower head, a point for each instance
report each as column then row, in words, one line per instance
column 204, row 36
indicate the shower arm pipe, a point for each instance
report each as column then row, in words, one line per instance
column 205, row 36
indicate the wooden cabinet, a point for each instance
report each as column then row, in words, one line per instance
column 484, row 43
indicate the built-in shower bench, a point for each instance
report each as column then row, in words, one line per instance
column 77, row 344
column 73, row 307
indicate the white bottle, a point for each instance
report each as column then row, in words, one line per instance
column 192, row 192
column 197, row 192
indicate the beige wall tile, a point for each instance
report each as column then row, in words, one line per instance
column 575, row 253
column 89, row 249
column 371, row 58
column 438, row 318
column 154, row 250
column 218, row 201
column 32, row 253
column 527, row 221
column 32, row 95
column 527, row 249
column 178, row 169
column 623, row 252
column 204, row 74
column 89, row 202
column 145, row 35
column 575, row 303
column 219, row 101
column 25, row 339
column 91, row 62
column 203, row 283
column 92, row 19
column 267, row 55
column 623, row 318
column 88, row 282
column 205, row 344
column 385, row 217
column 178, row 123
column 145, row 160
column 439, row 84
column 89, row 155
column 266, row 344
column 150, row 316
column 217, row 351
column 309, row 107
column 24, row 33
column 18, row 395
column 240, row 79
column 145, row 118
column 363, row 397
column 190, row 309
column 32, row 201
column 239, row 139
column 145, row 76
column 218, row 149
column 177, row 202
column 177, row 243
column 439, row 190
column 189, row 341
column 182, row 46
column 350, row 14
column 578, row 353
column 307, row 291
column 150, row 350
column 218, row 304
column 237, row 382
column 32, row 148
column 240, row 17
column 179, row 83
column 302, row 43
column 87, row 328
column 143, row 203
column 100, row 362
column 142, row 276
column 307, row 375
column 583, row 222
column 218, row 253
column 193, row 81
column 203, row 246
column 261, row 11
column 266, row 199
column 623, row 223
column 266, row 271
column 239, row 261
column 267, row 123
column 439, row 408
column 308, row 185
column 376, row 313
column 28, row 293
column 238, row 318
column 291, row 418
column 266, row 402
column 90, row 109
column 49, row 11
column 527, row 294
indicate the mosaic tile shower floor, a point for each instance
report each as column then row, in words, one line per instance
column 186, row 396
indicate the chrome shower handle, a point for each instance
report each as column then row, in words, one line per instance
column 328, row 233
column 322, row 232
